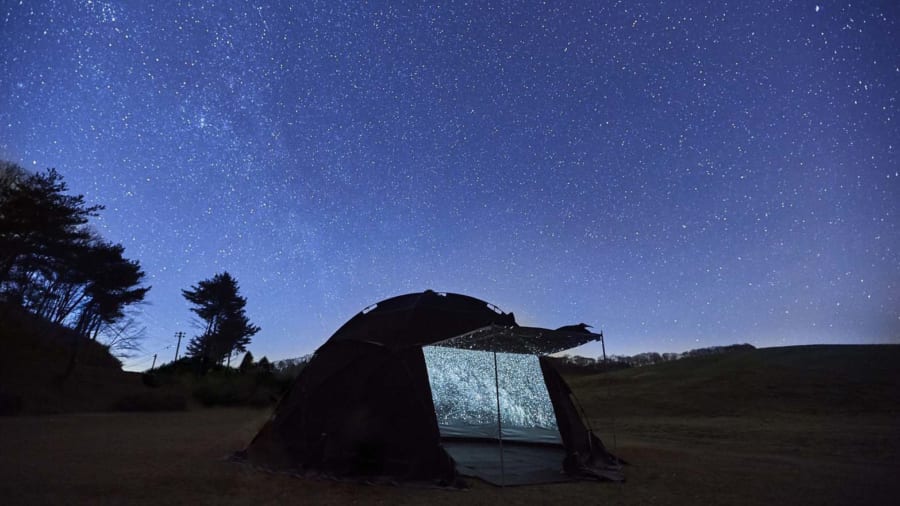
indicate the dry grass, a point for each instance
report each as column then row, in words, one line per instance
column 757, row 450
column 179, row 458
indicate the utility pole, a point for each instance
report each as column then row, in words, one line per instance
column 179, row 335
column 154, row 362
column 603, row 344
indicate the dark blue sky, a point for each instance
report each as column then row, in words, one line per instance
column 681, row 174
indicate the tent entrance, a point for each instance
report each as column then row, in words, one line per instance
column 494, row 414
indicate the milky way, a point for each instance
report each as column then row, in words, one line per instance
column 681, row 174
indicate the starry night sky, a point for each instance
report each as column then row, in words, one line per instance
column 680, row 174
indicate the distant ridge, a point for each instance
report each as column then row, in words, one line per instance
column 578, row 364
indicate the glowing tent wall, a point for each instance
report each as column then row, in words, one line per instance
column 467, row 388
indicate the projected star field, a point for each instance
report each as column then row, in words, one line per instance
column 680, row 174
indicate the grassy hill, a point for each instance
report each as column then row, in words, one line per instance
column 33, row 365
column 824, row 412
column 820, row 379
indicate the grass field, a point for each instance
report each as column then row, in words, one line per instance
column 811, row 425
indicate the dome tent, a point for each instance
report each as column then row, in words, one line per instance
column 386, row 397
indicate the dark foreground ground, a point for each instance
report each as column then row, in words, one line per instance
column 791, row 426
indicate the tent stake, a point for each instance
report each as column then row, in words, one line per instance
column 499, row 423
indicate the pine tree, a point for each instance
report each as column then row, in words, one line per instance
column 246, row 363
column 38, row 220
column 226, row 328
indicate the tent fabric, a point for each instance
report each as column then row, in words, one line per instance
column 340, row 425
column 362, row 407
column 420, row 319
column 521, row 465
column 489, row 431
column 586, row 454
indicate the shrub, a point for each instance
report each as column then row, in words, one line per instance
column 150, row 380
column 227, row 388
column 219, row 391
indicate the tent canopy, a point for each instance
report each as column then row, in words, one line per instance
column 514, row 339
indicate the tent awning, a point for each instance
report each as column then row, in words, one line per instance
column 527, row 340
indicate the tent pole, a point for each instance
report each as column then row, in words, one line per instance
column 499, row 423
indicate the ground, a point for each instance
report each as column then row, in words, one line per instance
column 820, row 426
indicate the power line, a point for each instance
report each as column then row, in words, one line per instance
column 140, row 362
column 150, row 355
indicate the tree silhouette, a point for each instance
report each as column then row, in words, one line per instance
column 112, row 286
column 39, row 223
column 246, row 363
column 226, row 328
column 52, row 264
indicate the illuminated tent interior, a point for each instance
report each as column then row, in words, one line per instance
column 426, row 387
